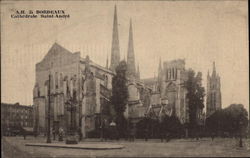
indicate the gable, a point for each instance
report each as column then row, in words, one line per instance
column 57, row 56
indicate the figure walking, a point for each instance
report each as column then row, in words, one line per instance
column 54, row 134
column 80, row 134
column 61, row 134
column 24, row 134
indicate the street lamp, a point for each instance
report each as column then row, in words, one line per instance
column 71, row 139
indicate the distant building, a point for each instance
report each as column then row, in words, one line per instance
column 213, row 101
column 16, row 115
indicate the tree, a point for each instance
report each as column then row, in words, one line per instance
column 230, row 120
column 195, row 96
column 120, row 96
column 172, row 125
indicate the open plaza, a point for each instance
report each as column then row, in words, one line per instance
column 205, row 147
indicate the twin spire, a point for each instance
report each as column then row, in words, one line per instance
column 130, row 54
column 115, row 51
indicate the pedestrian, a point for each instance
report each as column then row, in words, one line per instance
column 54, row 134
column 61, row 132
column 24, row 134
column 113, row 129
column 105, row 129
column 168, row 136
column 146, row 134
column 35, row 133
column 212, row 136
column 132, row 132
column 80, row 134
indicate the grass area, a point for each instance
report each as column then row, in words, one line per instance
column 153, row 148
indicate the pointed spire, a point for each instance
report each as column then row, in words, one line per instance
column 115, row 49
column 131, row 55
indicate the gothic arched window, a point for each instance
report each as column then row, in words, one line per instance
column 56, row 80
column 38, row 91
column 172, row 73
column 51, row 82
column 106, row 81
column 169, row 73
column 61, row 80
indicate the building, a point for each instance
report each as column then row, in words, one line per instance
column 81, row 85
column 138, row 93
column 169, row 87
column 16, row 115
column 89, row 84
column 72, row 77
column 213, row 100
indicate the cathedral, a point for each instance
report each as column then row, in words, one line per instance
column 79, row 89
column 80, row 85
column 213, row 100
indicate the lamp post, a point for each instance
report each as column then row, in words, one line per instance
column 48, row 130
column 71, row 139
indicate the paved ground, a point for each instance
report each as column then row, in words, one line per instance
column 15, row 147
column 89, row 146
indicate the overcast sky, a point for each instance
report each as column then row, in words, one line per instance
column 199, row 32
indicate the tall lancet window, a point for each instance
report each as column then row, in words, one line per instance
column 51, row 83
column 71, row 87
column 61, row 80
column 65, row 85
column 169, row 73
column 38, row 91
column 166, row 74
column 56, row 80
column 105, row 80
column 172, row 73
column 176, row 72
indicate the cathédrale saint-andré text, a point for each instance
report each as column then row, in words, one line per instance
column 55, row 16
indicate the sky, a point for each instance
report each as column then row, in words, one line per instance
column 198, row 31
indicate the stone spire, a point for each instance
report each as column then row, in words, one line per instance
column 115, row 49
column 131, row 56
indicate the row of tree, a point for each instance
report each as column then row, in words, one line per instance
column 231, row 121
column 195, row 97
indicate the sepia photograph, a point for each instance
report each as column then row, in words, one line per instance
column 124, row 78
